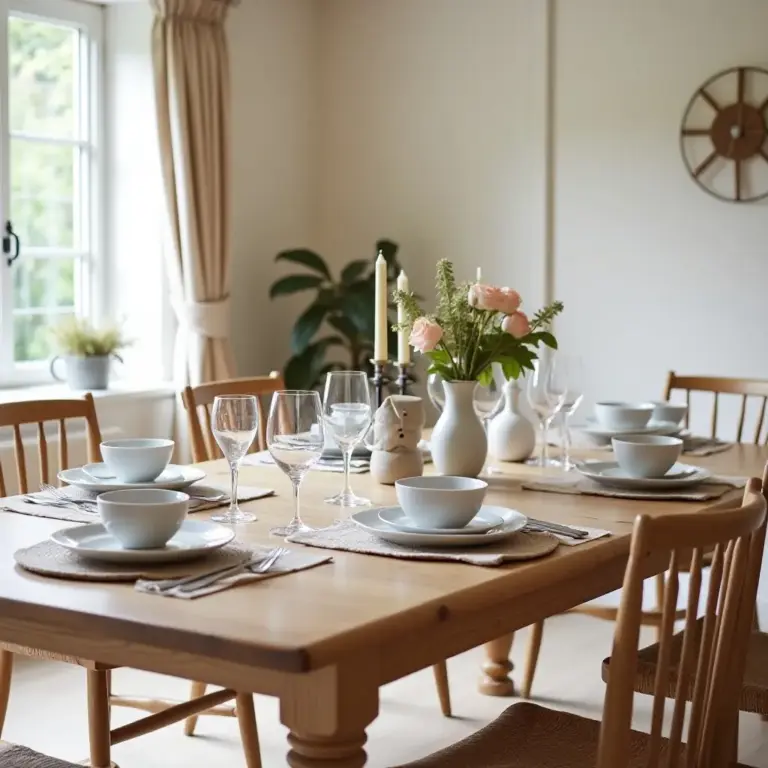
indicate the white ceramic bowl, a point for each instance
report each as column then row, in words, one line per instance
column 623, row 416
column 136, row 459
column 143, row 518
column 672, row 412
column 646, row 455
column 440, row 501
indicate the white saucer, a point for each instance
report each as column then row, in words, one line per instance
column 652, row 428
column 194, row 539
column 369, row 521
column 174, row 478
column 610, row 473
column 486, row 519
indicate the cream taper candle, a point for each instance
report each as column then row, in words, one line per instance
column 403, row 347
column 380, row 311
column 479, row 275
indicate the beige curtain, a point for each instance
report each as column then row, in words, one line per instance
column 191, row 63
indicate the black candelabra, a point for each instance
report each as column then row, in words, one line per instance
column 380, row 381
column 403, row 377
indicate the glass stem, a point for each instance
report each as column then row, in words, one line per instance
column 234, row 469
column 296, row 515
column 347, row 464
column 545, row 442
column 566, row 441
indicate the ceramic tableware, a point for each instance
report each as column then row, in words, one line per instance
column 136, row 459
column 195, row 539
column 601, row 436
column 620, row 416
column 669, row 412
column 370, row 521
column 175, row 478
column 486, row 519
column 646, row 455
column 610, row 474
column 144, row 518
column 440, row 501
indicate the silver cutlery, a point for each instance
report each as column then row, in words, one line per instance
column 264, row 566
column 80, row 505
column 563, row 530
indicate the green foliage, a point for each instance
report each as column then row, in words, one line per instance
column 79, row 338
column 346, row 305
column 472, row 338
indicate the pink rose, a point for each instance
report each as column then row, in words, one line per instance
column 516, row 325
column 425, row 334
column 493, row 299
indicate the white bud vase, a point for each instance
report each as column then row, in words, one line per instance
column 511, row 437
column 459, row 444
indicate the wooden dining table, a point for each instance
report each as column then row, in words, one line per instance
column 326, row 639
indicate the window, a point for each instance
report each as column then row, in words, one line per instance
column 49, row 176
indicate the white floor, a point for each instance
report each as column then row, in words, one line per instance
column 47, row 709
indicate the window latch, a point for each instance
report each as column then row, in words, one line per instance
column 11, row 244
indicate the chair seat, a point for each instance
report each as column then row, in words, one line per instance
column 754, row 689
column 529, row 736
column 13, row 756
column 36, row 653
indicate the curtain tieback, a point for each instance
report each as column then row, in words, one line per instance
column 211, row 319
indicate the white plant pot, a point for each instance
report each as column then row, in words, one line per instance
column 511, row 437
column 459, row 445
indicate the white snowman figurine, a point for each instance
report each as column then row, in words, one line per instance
column 397, row 428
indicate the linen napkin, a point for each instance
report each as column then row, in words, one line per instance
column 264, row 459
column 291, row 562
column 713, row 488
column 525, row 545
column 88, row 514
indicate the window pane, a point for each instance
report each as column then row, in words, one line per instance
column 43, row 64
column 40, row 283
column 42, row 194
column 32, row 336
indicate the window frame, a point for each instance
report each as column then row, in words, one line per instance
column 89, row 18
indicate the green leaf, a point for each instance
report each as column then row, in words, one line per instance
column 444, row 370
column 359, row 309
column 294, row 284
column 486, row 376
column 303, row 370
column 306, row 258
column 388, row 249
column 354, row 270
column 545, row 337
column 344, row 325
column 306, row 326
column 511, row 368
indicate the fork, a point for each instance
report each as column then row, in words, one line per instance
column 61, row 497
column 562, row 530
column 264, row 566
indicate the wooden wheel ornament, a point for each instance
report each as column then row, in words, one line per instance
column 737, row 135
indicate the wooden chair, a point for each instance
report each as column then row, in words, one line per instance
column 98, row 676
column 527, row 735
column 716, row 386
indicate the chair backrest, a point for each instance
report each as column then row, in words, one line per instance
column 718, row 644
column 198, row 401
column 17, row 415
column 746, row 388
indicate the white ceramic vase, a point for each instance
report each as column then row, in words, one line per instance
column 459, row 444
column 511, row 437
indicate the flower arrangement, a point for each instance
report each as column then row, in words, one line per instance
column 78, row 338
column 476, row 325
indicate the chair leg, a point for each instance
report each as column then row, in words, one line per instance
column 98, row 718
column 198, row 690
column 443, row 691
column 755, row 620
column 660, row 588
column 534, row 645
column 249, row 735
column 6, row 671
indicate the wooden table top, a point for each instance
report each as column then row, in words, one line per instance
column 309, row 620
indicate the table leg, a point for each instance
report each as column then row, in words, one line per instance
column 327, row 713
column 496, row 680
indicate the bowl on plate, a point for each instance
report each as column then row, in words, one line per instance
column 669, row 412
column 440, row 501
column 137, row 459
column 622, row 417
column 646, row 455
column 143, row 518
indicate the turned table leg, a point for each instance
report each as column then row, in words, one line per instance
column 496, row 680
column 332, row 751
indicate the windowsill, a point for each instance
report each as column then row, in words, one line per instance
column 118, row 390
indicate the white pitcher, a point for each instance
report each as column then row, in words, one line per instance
column 511, row 437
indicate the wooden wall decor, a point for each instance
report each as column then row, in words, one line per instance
column 724, row 137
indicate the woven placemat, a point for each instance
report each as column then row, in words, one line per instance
column 347, row 536
column 51, row 559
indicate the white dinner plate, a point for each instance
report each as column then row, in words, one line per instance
column 174, row 478
column 610, row 473
column 369, row 521
column 652, row 428
column 486, row 519
column 194, row 539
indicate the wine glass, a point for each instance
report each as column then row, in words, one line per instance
column 347, row 418
column 234, row 423
column 545, row 399
column 568, row 377
column 435, row 391
column 295, row 440
column 486, row 400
